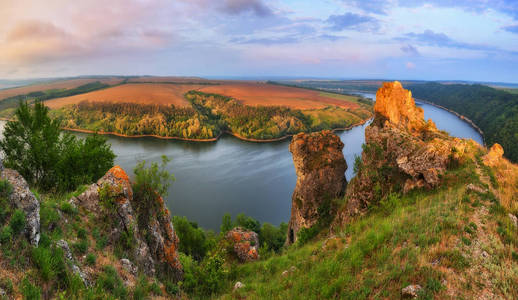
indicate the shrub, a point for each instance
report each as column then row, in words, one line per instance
column 49, row 262
column 273, row 238
column 90, row 259
column 306, row 234
column 17, row 222
column 68, row 208
column 7, row 285
column 248, row 223
column 109, row 281
column 5, row 189
column 226, row 223
column 49, row 217
column 193, row 241
column 81, row 247
column 155, row 289
column 29, row 291
column 141, row 290
column 171, row 288
column 81, row 233
column 6, row 234
column 35, row 146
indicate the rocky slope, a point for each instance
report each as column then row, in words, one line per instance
column 320, row 167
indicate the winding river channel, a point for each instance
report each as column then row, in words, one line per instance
column 235, row 176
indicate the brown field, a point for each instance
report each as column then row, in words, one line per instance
column 144, row 93
column 171, row 79
column 60, row 84
column 256, row 93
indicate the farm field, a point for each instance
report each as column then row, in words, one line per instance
column 56, row 85
column 255, row 94
column 141, row 93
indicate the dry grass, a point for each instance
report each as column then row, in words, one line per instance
column 252, row 93
column 55, row 85
column 506, row 175
column 143, row 93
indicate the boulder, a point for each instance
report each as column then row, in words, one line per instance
column 129, row 266
column 245, row 244
column 238, row 285
column 320, row 166
column 411, row 291
column 22, row 198
column 70, row 259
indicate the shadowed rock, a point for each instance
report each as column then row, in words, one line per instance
column 245, row 243
column 22, row 198
column 320, row 166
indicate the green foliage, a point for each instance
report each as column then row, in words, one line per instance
column 226, row 223
column 17, row 221
column 30, row 291
column 49, row 217
column 306, row 234
column 272, row 237
column 49, row 262
column 247, row 222
column 80, row 247
column 171, row 288
column 7, row 285
column 141, row 290
column 154, row 179
column 193, row 240
column 5, row 208
column 494, row 111
column 90, row 259
column 35, row 146
column 6, row 234
column 110, row 282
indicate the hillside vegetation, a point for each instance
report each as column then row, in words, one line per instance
column 208, row 116
column 494, row 111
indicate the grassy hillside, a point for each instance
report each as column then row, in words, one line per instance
column 454, row 242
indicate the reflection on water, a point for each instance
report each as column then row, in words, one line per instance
column 241, row 177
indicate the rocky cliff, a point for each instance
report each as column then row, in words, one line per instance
column 320, row 167
column 402, row 151
column 154, row 243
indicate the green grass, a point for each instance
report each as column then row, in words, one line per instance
column 347, row 98
column 377, row 255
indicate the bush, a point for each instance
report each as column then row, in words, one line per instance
column 49, row 217
column 307, row 234
column 171, row 288
column 248, row 223
column 90, row 259
column 273, row 238
column 193, row 241
column 226, row 223
column 68, row 208
column 5, row 189
column 109, row 281
column 6, row 234
column 29, row 291
column 81, row 247
column 34, row 145
column 49, row 262
column 17, row 222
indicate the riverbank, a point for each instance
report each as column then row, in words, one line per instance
column 463, row 118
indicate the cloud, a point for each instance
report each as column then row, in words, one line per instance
column 266, row 41
column 371, row 6
column 511, row 28
column 236, row 7
column 438, row 39
column 331, row 37
column 351, row 21
column 409, row 49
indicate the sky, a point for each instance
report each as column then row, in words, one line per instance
column 393, row 39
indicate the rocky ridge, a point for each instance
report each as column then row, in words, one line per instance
column 402, row 151
column 320, row 166
column 154, row 246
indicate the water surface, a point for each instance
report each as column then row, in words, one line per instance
column 234, row 176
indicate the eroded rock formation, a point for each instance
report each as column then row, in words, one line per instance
column 402, row 152
column 320, row 166
column 494, row 155
column 245, row 244
column 155, row 243
column 22, row 198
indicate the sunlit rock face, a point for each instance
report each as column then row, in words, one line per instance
column 402, row 152
column 320, row 166
column 245, row 244
column 494, row 155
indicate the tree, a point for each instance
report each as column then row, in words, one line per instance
column 34, row 145
column 226, row 223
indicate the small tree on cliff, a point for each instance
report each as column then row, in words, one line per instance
column 34, row 145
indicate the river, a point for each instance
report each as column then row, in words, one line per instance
column 234, row 176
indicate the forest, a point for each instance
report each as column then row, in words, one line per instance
column 494, row 111
column 208, row 116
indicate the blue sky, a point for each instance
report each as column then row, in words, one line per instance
column 394, row 39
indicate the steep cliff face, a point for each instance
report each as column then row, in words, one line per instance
column 494, row 155
column 154, row 243
column 320, row 167
column 402, row 151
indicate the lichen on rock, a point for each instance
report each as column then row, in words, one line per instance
column 320, row 166
column 245, row 244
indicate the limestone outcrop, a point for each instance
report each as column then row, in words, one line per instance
column 402, row 151
column 22, row 198
column 154, row 243
column 245, row 243
column 320, row 166
column 496, row 152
